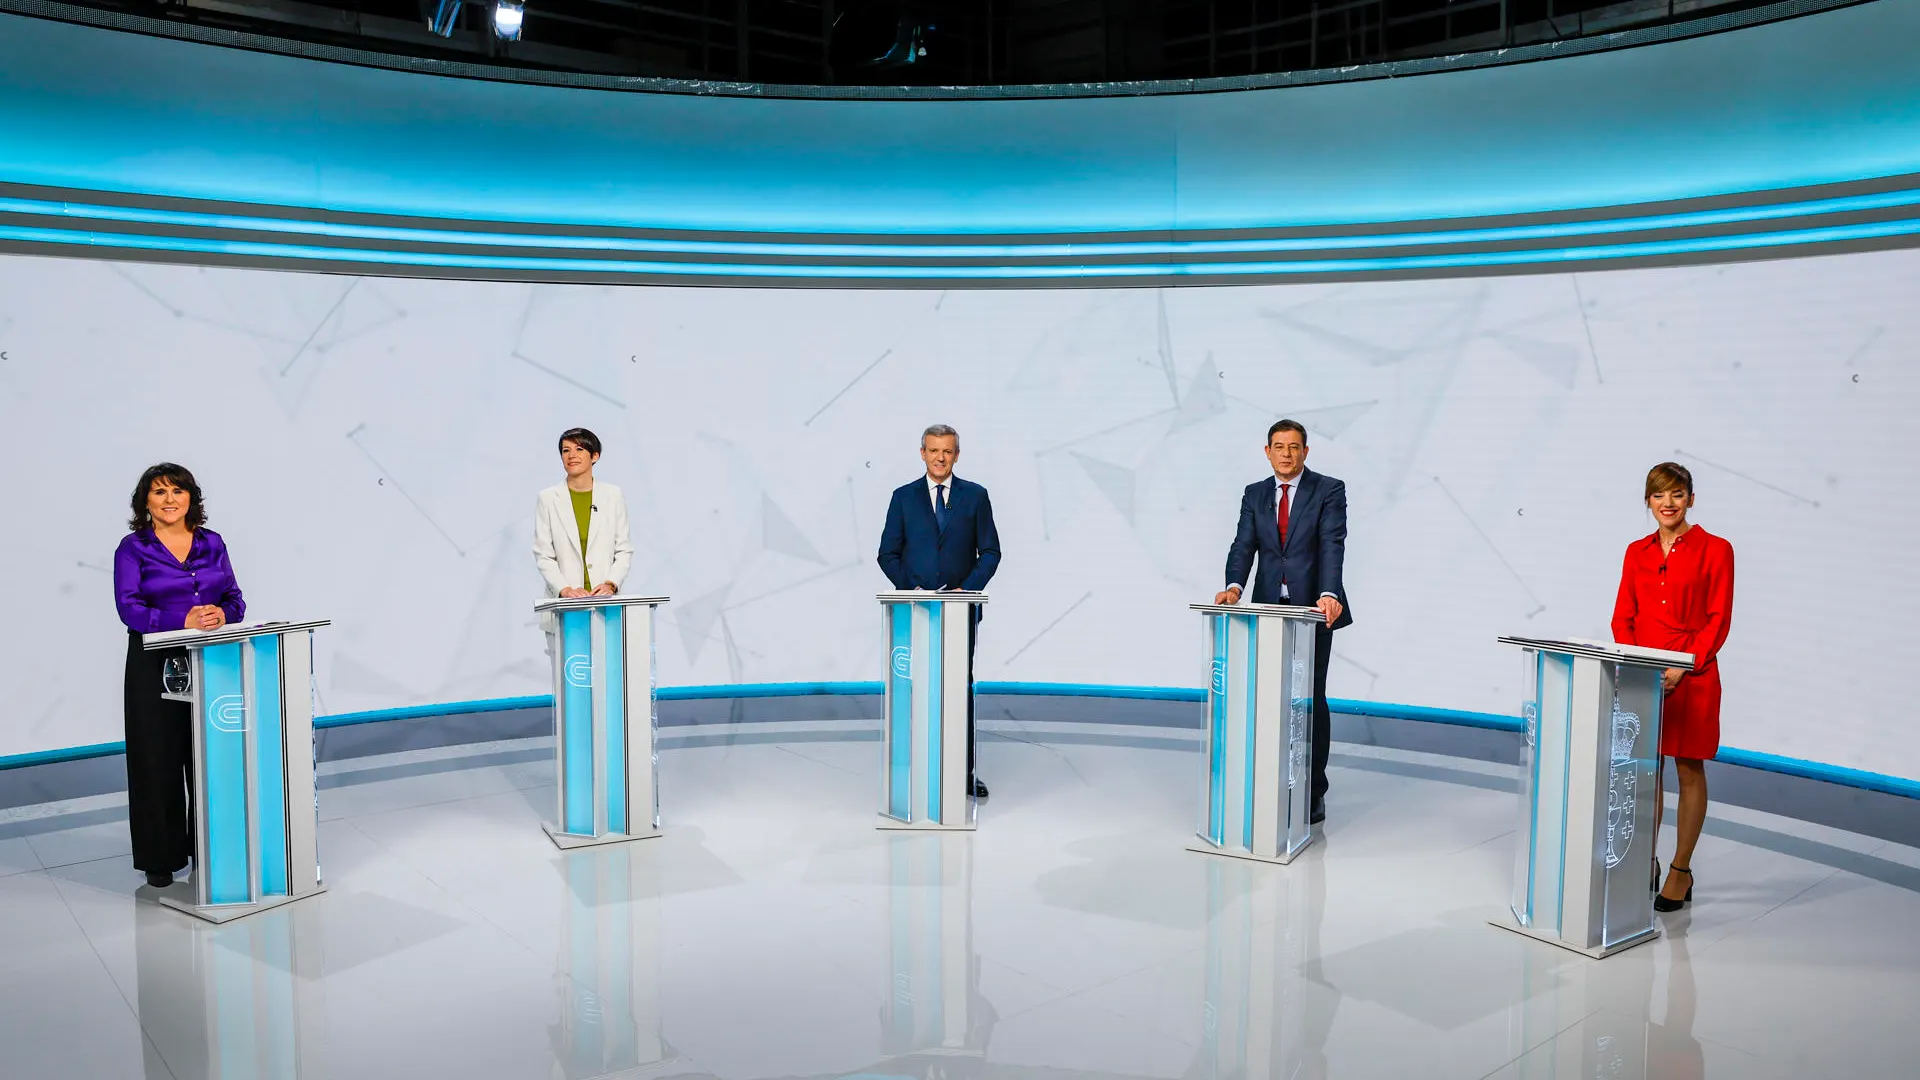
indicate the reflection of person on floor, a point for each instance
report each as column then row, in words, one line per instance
column 1672, row 1051
column 1320, row 1003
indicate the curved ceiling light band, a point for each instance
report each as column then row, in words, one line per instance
column 1790, row 222
column 1588, row 161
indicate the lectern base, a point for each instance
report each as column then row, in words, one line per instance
column 567, row 841
column 896, row 825
column 215, row 913
column 1205, row 848
column 1642, row 938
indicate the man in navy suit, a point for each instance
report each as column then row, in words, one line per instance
column 940, row 535
column 1296, row 522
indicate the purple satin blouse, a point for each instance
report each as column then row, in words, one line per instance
column 154, row 591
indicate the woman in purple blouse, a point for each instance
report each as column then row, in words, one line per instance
column 170, row 573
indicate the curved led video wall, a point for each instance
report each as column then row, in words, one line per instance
column 371, row 449
column 1801, row 136
column 1417, row 269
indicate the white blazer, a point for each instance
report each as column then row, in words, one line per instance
column 556, row 541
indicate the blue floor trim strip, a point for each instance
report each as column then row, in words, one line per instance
column 450, row 708
column 1750, row 759
column 65, row 753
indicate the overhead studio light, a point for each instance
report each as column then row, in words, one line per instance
column 441, row 15
column 507, row 17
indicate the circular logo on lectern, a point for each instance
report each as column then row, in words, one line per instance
column 903, row 661
column 1219, row 676
column 228, row 713
column 579, row 670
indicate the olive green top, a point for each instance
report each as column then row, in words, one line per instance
column 583, row 513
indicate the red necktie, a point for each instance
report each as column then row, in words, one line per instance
column 1283, row 515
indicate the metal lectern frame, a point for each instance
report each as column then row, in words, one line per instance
column 924, row 782
column 604, row 719
column 255, row 820
column 1588, row 794
column 1256, row 796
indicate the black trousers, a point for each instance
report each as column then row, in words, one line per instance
column 1322, row 715
column 973, row 639
column 159, row 765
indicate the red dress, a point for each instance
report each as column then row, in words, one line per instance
column 1681, row 600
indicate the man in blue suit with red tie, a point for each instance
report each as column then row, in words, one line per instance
column 940, row 535
column 1295, row 521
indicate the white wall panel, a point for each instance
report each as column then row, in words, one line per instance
column 371, row 449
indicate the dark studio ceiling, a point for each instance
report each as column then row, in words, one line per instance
column 930, row 42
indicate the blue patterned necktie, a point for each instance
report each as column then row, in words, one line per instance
column 940, row 507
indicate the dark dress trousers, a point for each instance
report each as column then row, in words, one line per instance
column 917, row 553
column 1310, row 566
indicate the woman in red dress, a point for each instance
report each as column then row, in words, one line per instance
column 1676, row 592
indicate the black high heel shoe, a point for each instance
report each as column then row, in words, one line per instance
column 1653, row 884
column 1661, row 903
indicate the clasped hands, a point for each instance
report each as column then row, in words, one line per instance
column 205, row 617
column 1329, row 606
column 605, row 588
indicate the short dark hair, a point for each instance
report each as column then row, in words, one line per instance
column 582, row 438
column 179, row 477
column 1287, row 425
column 1666, row 476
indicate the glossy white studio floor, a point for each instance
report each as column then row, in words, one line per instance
column 775, row 933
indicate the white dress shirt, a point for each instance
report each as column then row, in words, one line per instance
column 933, row 492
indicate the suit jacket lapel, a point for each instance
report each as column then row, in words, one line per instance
column 1269, row 523
column 563, row 507
column 924, row 501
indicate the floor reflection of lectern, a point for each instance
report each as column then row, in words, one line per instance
column 1256, row 780
column 250, row 689
column 1589, row 772
column 243, row 1001
column 1262, row 932
column 603, row 719
column 934, row 1011
column 926, row 737
column 608, row 973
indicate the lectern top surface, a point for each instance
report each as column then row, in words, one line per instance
column 200, row 639
column 931, row 596
column 1283, row 611
column 1606, row 650
column 577, row 603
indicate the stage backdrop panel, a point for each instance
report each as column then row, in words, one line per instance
column 371, row 449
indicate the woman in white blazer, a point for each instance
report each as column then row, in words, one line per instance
column 580, row 538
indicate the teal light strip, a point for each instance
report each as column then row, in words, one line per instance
column 411, row 712
column 1814, row 770
column 65, row 753
column 1748, row 759
column 1020, row 272
column 299, row 227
